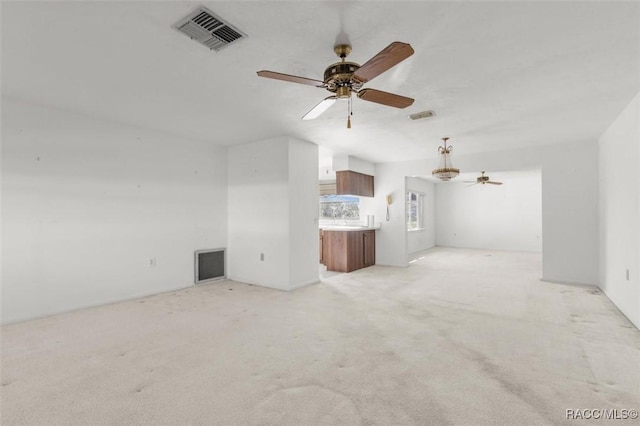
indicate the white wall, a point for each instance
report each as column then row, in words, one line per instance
column 424, row 238
column 569, row 204
column 570, row 214
column 391, row 238
column 259, row 213
column 303, row 213
column 87, row 203
column 620, row 211
column 348, row 162
column 505, row 217
column 273, row 210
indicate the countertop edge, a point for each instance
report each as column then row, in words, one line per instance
column 343, row 229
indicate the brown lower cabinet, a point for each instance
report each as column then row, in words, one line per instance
column 346, row 251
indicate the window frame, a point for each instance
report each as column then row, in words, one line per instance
column 419, row 202
column 340, row 199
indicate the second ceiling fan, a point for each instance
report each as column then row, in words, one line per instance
column 344, row 78
column 482, row 180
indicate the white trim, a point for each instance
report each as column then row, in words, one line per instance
column 249, row 282
column 420, row 207
column 273, row 287
column 619, row 310
column 305, row 284
column 100, row 304
column 567, row 282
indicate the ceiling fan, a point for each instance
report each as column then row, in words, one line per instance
column 482, row 179
column 344, row 78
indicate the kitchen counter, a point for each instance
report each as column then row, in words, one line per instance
column 349, row 228
column 347, row 248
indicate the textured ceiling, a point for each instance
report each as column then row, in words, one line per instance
column 499, row 75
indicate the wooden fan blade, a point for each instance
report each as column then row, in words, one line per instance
column 390, row 56
column 290, row 78
column 494, row 183
column 385, row 98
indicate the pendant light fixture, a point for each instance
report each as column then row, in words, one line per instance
column 445, row 170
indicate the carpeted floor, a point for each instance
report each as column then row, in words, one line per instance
column 465, row 337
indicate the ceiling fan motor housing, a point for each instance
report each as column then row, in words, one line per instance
column 338, row 79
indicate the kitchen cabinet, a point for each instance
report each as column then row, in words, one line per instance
column 354, row 183
column 346, row 251
column 369, row 248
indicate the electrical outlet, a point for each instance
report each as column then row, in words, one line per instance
column 262, row 257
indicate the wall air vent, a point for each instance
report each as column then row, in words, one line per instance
column 207, row 28
column 209, row 265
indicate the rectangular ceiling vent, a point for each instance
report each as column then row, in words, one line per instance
column 422, row 115
column 207, row 28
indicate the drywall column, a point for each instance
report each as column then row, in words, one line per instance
column 96, row 211
column 303, row 213
column 620, row 211
column 273, row 213
column 570, row 214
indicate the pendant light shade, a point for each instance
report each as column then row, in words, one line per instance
column 445, row 170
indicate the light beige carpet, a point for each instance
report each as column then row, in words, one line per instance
column 466, row 337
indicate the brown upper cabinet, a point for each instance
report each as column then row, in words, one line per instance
column 354, row 183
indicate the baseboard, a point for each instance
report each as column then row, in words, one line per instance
column 305, row 284
column 250, row 282
column 619, row 310
column 576, row 284
column 294, row 287
column 405, row 265
column 97, row 305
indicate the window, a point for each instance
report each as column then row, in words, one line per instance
column 339, row 207
column 414, row 211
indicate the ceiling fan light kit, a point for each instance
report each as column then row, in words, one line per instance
column 345, row 78
column 317, row 110
column 445, row 171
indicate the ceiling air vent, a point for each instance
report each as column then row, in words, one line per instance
column 422, row 115
column 207, row 28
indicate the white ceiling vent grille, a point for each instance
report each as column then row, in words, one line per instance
column 207, row 28
column 422, row 115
